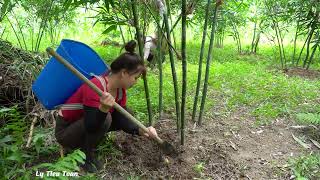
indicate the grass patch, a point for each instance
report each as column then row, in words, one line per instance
column 306, row 167
column 243, row 80
column 268, row 94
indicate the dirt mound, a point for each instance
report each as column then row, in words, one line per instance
column 17, row 70
column 200, row 157
column 310, row 74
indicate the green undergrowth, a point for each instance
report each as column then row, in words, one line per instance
column 19, row 162
column 242, row 80
column 306, row 167
column 268, row 94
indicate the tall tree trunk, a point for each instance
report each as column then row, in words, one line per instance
column 144, row 30
column 237, row 37
column 136, row 22
column 42, row 27
column 173, row 70
column 304, row 44
column 279, row 44
column 256, row 43
column 209, row 57
column 121, row 31
column 254, row 36
column 184, row 69
column 15, row 32
column 312, row 54
column 222, row 38
column 160, row 57
column 51, row 33
column 308, row 47
column 295, row 42
column 176, row 23
column 20, row 30
column 257, row 39
column 282, row 47
column 130, row 32
column 169, row 12
column 317, row 35
column 203, row 42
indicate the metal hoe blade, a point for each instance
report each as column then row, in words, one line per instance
column 168, row 149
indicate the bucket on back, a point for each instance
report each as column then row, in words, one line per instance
column 55, row 84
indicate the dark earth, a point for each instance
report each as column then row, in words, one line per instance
column 227, row 146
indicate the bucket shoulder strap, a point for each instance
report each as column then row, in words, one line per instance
column 78, row 106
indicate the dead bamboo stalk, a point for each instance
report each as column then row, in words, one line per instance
column 31, row 131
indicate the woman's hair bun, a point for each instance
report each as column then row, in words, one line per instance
column 130, row 46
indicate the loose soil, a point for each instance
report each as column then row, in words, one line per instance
column 227, row 146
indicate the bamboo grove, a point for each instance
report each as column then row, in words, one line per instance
column 134, row 19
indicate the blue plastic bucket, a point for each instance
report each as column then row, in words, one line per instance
column 56, row 83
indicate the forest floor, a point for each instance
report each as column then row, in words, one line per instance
column 229, row 146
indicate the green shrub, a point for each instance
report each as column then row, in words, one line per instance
column 308, row 118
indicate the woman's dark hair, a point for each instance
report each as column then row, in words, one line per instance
column 129, row 60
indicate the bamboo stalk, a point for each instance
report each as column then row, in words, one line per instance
column 279, row 45
column 282, row 47
column 160, row 57
column 301, row 51
column 20, row 29
column 295, row 42
column 16, row 34
column 144, row 29
column 312, row 55
column 209, row 57
column 203, row 42
column 184, row 68
column 121, row 31
column 176, row 23
column 308, row 48
column 42, row 27
column 258, row 38
column 136, row 22
column 173, row 71
column 171, row 31
column 124, row 14
column 254, row 36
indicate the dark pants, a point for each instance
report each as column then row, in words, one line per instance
column 74, row 135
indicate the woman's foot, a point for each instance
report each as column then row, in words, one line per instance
column 92, row 164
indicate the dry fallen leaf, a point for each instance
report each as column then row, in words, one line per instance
column 303, row 144
column 233, row 145
column 315, row 143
